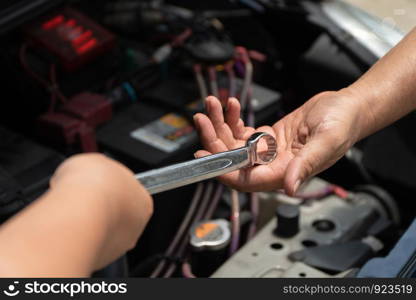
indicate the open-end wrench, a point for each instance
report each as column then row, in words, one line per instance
column 173, row 176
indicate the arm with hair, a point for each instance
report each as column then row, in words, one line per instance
column 320, row 132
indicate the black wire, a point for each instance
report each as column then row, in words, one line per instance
column 146, row 265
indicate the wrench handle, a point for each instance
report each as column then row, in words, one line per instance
column 181, row 174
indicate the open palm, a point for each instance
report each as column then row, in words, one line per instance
column 309, row 140
column 221, row 132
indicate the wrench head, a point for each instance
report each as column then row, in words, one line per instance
column 262, row 148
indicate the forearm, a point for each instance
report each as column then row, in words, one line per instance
column 60, row 234
column 388, row 89
column 93, row 213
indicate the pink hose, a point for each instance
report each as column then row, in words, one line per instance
column 235, row 222
column 184, row 225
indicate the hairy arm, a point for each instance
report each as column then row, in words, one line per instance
column 320, row 132
column 389, row 88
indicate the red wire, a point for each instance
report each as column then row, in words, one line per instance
column 235, row 222
column 23, row 62
column 187, row 270
column 52, row 85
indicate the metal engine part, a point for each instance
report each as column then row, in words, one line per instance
column 330, row 220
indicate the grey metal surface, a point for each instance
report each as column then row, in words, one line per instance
column 261, row 97
column 215, row 239
column 400, row 262
column 377, row 36
column 170, row 177
column 266, row 255
column 397, row 13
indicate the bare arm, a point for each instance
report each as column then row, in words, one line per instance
column 94, row 212
column 389, row 87
column 320, row 132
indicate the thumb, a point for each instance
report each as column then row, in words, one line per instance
column 318, row 154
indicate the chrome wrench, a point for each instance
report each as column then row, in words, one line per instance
column 173, row 176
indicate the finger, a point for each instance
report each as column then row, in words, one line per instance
column 266, row 129
column 214, row 109
column 216, row 115
column 248, row 131
column 317, row 155
column 207, row 134
column 52, row 181
column 201, row 153
column 233, row 119
column 231, row 179
column 279, row 129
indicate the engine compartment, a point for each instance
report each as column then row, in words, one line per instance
column 125, row 78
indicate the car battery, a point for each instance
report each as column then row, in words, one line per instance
column 146, row 136
column 182, row 96
column 143, row 137
column 25, row 170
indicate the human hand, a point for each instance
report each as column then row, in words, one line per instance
column 309, row 140
column 125, row 203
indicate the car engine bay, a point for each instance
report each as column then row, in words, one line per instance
column 126, row 77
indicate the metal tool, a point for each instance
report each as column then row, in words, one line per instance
column 170, row 177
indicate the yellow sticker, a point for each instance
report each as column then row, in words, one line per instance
column 194, row 104
column 204, row 229
column 174, row 120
